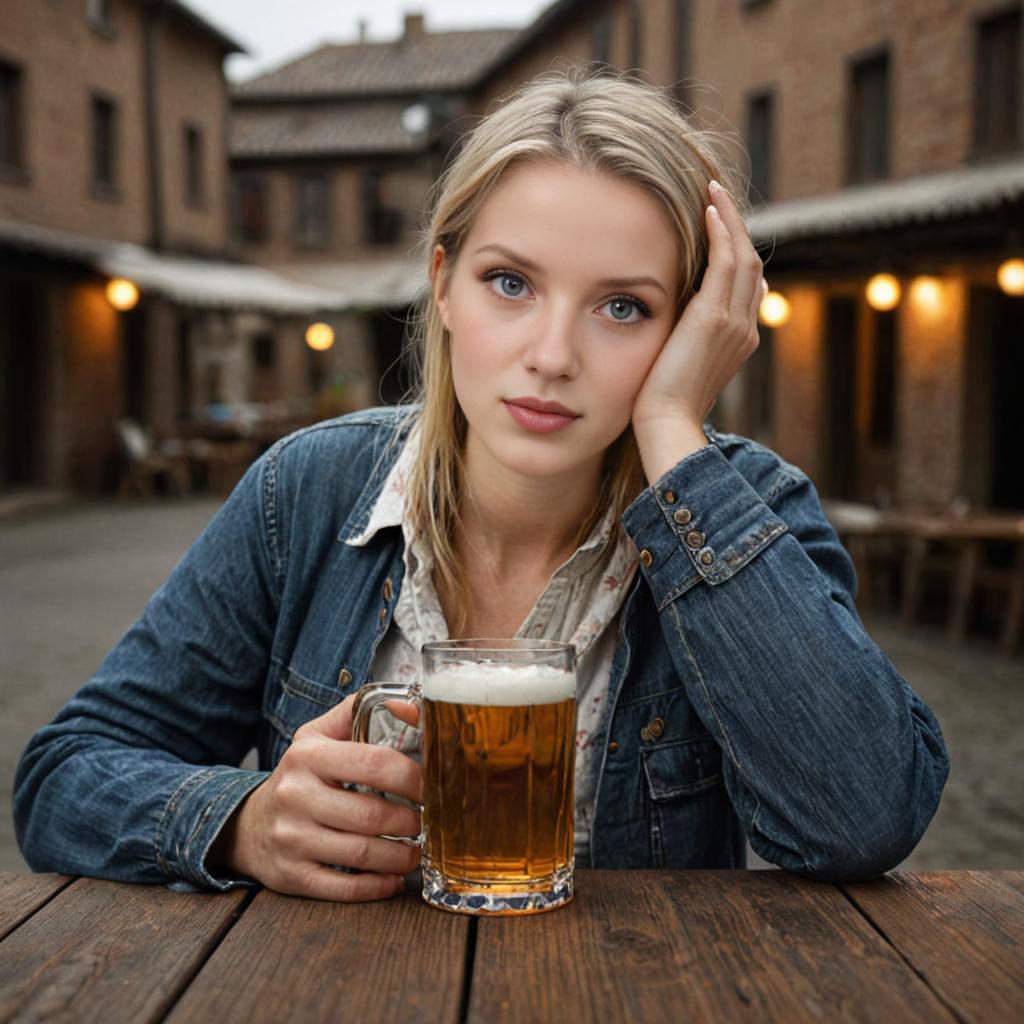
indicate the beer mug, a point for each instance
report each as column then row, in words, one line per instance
column 498, row 722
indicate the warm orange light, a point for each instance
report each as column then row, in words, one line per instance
column 122, row 294
column 1010, row 276
column 883, row 292
column 320, row 337
column 926, row 295
column 774, row 309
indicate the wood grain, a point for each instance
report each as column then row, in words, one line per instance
column 21, row 895
column 962, row 931
column 103, row 951
column 694, row 946
column 305, row 960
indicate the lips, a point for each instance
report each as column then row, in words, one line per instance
column 540, row 417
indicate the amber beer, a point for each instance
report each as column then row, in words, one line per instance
column 499, row 731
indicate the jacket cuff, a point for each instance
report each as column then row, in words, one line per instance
column 700, row 521
column 194, row 817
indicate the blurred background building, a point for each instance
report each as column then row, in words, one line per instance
column 885, row 149
column 118, row 302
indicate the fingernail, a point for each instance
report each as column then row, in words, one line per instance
column 713, row 211
column 713, row 185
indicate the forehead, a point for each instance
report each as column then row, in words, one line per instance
column 553, row 212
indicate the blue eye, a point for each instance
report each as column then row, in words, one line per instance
column 621, row 307
column 511, row 285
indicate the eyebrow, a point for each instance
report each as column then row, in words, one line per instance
column 608, row 282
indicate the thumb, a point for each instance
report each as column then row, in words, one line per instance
column 336, row 724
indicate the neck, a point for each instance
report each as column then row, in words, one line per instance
column 515, row 525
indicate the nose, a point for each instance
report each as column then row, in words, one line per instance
column 554, row 350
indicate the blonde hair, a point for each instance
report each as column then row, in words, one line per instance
column 597, row 120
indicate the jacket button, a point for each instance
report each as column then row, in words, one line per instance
column 682, row 516
column 344, row 677
column 656, row 726
column 612, row 747
column 387, row 590
column 646, row 557
column 707, row 556
column 383, row 616
column 670, row 497
column 695, row 539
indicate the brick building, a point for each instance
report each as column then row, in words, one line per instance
column 331, row 159
column 113, row 120
column 882, row 137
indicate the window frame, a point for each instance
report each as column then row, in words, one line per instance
column 982, row 66
column 303, row 239
column 855, row 172
column 102, row 188
column 12, row 164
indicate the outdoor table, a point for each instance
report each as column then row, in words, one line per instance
column 633, row 946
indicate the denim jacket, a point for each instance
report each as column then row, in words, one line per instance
column 746, row 700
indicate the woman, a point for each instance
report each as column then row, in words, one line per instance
column 557, row 480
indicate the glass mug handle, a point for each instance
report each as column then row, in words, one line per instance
column 368, row 698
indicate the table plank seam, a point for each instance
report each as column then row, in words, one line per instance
column 467, row 969
column 208, row 951
column 910, row 965
column 15, row 925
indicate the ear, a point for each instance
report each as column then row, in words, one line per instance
column 439, row 275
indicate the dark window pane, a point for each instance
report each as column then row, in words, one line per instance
column 383, row 218
column 759, row 139
column 602, row 35
column 193, row 164
column 311, row 228
column 10, row 114
column 104, row 128
column 997, row 84
column 868, row 136
column 681, row 27
column 98, row 12
column 250, row 207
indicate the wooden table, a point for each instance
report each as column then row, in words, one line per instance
column 634, row 946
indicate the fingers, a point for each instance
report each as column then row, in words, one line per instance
column 320, row 882
column 363, row 853
column 344, row 810
column 746, row 264
column 336, row 723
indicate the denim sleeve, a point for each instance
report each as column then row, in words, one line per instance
column 137, row 774
column 834, row 765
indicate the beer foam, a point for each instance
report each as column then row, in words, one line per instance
column 500, row 685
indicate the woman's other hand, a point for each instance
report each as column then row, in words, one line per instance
column 716, row 334
column 289, row 830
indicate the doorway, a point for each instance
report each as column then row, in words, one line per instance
column 21, row 373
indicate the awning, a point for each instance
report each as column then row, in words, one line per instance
column 934, row 197
column 187, row 280
column 391, row 283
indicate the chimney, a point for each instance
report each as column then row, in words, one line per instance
column 413, row 26
column 363, row 24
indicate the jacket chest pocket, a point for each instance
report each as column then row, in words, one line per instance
column 291, row 703
column 687, row 801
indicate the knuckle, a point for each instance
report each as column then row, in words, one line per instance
column 360, row 851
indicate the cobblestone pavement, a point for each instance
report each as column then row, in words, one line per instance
column 73, row 579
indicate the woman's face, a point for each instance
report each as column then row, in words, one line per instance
column 561, row 299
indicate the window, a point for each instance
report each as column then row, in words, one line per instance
column 104, row 142
column 311, row 223
column 601, row 37
column 997, row 84
column 249, row 207
column 636, row 32
column 98, row 13
column 194, row 192
column 681, row 41
column 868, row 120
column 10, row 115
column 383, row 223
column 760, row 115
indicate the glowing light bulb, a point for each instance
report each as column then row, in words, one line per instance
column 122, row 294
column 320, row 337
column 883, row 292
column 1010, row 276
column 774, row 310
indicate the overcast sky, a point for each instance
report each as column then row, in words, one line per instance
column 275, row 32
